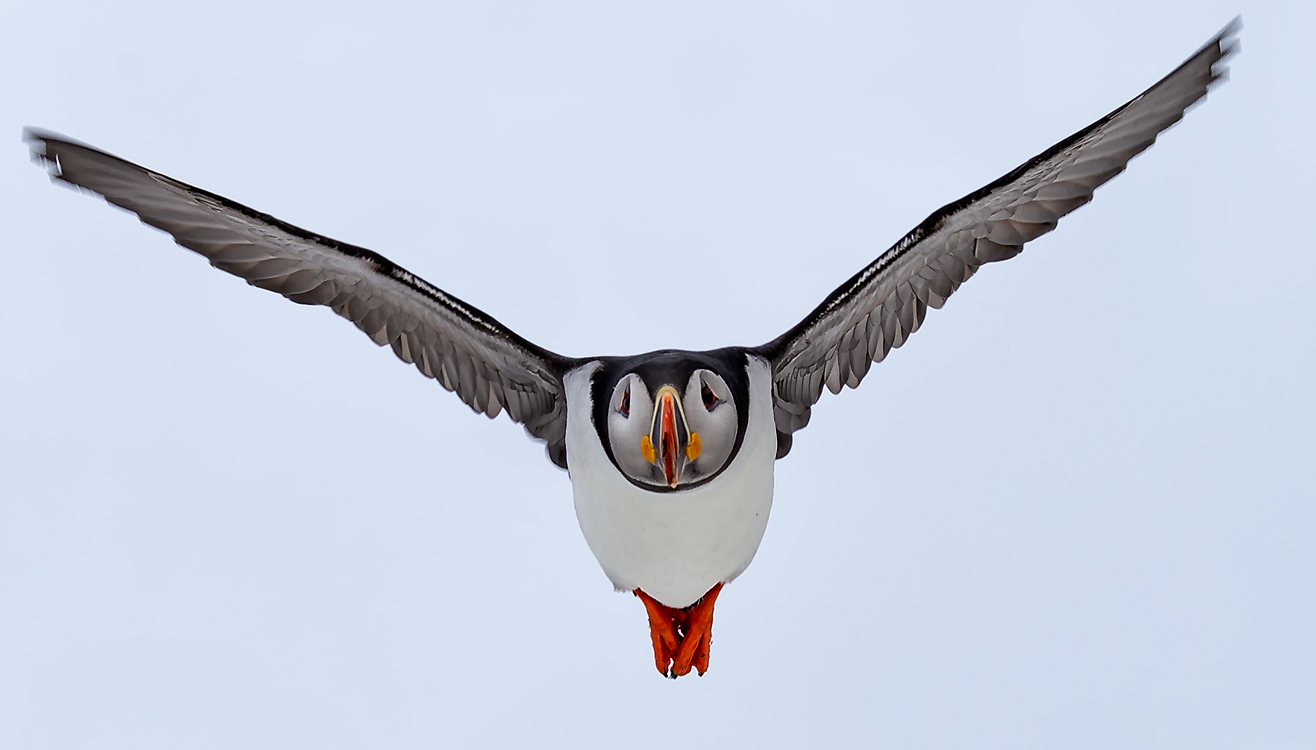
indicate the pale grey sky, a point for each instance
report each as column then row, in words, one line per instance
column 1076, row 510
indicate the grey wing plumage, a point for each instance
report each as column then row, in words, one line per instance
column 877, row 309
column 491, row 368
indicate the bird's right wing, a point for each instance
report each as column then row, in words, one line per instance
column 489, row 366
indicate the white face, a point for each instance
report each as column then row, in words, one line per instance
column 676, row 435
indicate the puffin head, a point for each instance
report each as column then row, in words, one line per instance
column 672, row 419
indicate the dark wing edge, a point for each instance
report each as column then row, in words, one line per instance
column 878, row 308
column 489, row 366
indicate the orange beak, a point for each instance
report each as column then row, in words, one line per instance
column 667, row 437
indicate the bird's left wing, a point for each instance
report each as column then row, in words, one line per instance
column 489, row 366
column 879, row 307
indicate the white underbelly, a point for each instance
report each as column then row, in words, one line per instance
column 673, row 545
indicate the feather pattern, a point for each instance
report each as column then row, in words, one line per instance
column 878, row 308
column 488, row 366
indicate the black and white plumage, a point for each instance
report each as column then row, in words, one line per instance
column 670, row 453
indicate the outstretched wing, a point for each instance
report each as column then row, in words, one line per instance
column 491, row 368
column 877, row 309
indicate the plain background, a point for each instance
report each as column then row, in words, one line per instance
column 1076, row 510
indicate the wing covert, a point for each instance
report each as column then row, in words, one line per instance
column 878, row 308
column 490, row 367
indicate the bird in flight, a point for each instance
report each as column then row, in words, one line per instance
column 670, row 453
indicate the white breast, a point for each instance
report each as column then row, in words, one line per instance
column 673, row 545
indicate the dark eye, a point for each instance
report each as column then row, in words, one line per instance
column 625, row 407
column 710, row 398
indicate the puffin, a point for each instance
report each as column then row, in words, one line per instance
column 670, row 453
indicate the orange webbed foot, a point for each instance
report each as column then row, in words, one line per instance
column 681, row 637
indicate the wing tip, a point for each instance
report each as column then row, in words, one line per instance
column 1227, row 44
column 44, row 149
column 38, row 145
column 1228, row 36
